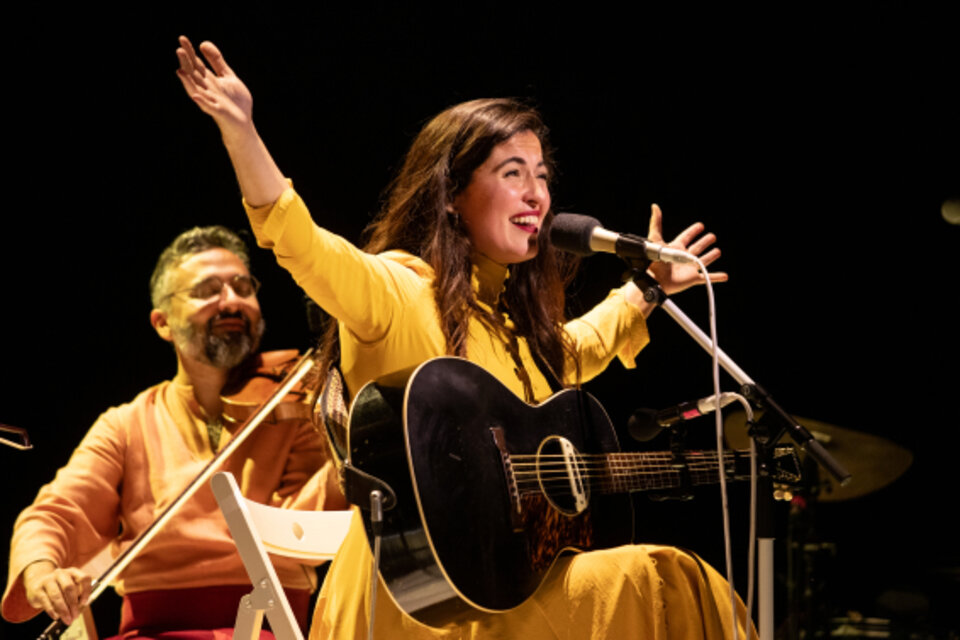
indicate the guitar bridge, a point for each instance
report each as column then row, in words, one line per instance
column 513, row 492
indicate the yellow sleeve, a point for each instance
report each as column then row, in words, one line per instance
column 363, row 291
column 612, row 328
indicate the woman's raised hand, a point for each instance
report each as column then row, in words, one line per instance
column 674, row 278
column 217, row 90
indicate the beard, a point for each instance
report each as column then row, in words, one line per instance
column 223, row 351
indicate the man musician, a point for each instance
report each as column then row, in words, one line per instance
column 137, row 458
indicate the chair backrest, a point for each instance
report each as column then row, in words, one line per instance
column 314, row 536
column 311, row 536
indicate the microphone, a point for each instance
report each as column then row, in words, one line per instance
column 583, row 236
column 645, row 424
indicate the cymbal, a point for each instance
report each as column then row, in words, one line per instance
column 872, row 461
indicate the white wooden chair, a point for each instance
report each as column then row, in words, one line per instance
column 313, row 536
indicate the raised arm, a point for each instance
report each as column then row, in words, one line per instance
column 222, row 95
column 361, row 291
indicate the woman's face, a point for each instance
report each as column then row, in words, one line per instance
column 504, row 205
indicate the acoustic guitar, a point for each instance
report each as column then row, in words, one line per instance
column 489, row 489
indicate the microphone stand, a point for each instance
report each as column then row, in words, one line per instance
column 775, row 416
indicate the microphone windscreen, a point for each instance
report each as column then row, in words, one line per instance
column 571, row 232
column 643, row 425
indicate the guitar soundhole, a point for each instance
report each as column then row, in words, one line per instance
column 563, row 475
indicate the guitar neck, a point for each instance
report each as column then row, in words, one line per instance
column 660, row 470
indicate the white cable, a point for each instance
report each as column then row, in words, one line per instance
column 728, row 556
column 752, row 545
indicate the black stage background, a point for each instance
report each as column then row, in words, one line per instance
column 818, row 145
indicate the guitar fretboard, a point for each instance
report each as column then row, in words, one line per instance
column 650, row 471
column 620, row 472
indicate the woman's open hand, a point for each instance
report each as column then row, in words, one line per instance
column 217, row 90
column 672, row 277
column 221, row 94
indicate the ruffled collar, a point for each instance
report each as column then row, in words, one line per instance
column 489, row 279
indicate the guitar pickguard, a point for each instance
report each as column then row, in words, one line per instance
column 552, row 531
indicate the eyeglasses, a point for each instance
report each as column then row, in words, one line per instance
column 243, row 286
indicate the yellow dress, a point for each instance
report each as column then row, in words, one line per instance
column 388, row 321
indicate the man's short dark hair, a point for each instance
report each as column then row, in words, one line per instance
column 186, row 244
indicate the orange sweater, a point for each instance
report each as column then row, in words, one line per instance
column 134, row 461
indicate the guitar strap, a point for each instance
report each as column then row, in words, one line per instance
column 513, row 347
column 331, row 412
column 547, row 372
column 357, row 486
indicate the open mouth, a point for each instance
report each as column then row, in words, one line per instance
column 528, row 222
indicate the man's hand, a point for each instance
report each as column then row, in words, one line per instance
column 59, row 592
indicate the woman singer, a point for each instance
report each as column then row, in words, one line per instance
column 458, row 263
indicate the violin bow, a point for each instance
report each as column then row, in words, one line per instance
column 302, row 368
column 24, row 442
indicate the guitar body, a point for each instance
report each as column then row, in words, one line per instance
column 488, row 488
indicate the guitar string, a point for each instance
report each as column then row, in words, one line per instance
column 622, row 456
column 522, row 461
column 609, row 477
column 614, row 471
column 614, row 468
column 562, row 476
column 557, row 473
column 602, row 478
column 646, row 455
column 563, row 479
column 554, row 467
column 617, row 464
column 605, row 464
column 598, row 480
column 562, row 469
column 603, row 488
column 611, row 471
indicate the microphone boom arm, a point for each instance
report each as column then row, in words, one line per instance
column 757, row 394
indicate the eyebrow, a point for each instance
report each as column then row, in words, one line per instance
column 516, row 159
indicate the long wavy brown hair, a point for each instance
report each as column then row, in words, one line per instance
column 416, row 217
